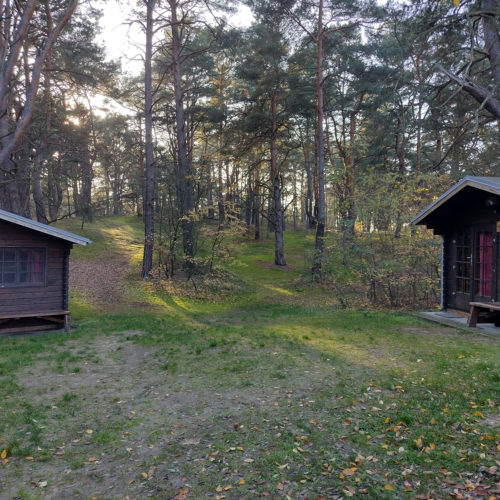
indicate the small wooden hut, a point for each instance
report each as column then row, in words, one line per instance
column 34, row 274
column 467, row 217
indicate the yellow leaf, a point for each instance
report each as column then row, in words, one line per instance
column 350, row 471
column 92, row 459
column 478, row 414
column 418, row 442
column 89, row 431
column 433, row 421
column 29, row 458
column 3, row 454
column 456, row 2
column 242, row 481
column 387, row 420
column 144, row 474
column 388, row 487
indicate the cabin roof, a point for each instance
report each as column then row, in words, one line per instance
column 488, row 184
column 43, row 228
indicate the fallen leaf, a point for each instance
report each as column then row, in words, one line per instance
column 388, row 487
column 349, row 472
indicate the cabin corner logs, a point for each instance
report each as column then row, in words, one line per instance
column 34, row 274
column 467, row 217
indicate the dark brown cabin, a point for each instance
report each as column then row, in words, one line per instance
column 467, row 217
column 34, row 274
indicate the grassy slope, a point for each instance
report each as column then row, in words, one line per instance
column 272, row 391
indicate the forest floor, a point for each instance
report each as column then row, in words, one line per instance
column 266, row 389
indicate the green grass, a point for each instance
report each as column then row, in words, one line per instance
column 272, row 391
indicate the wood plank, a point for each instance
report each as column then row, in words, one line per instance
column 54, row 319
column 492, row 306
column 35, row 314
column 32, row 328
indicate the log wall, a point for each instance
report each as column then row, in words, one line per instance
column 32, row 299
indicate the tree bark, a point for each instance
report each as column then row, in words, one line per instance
column 276, row 209
column 349, row 219
column 149, row 181
column 320, row 152
column 184, row 180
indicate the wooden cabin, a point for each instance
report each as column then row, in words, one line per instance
column 34, row 274
column 467, row 216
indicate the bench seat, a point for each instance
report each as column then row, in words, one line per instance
column 475, row 307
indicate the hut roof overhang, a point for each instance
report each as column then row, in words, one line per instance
column 467, row 194
column 43, row 228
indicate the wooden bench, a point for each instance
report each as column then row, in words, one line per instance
column 59, row 318
column 475, row 307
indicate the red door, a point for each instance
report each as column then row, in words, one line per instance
column 483, row 266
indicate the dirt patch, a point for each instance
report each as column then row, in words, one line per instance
column 101, row 282
column 135, row 428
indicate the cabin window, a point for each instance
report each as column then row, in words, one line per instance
column 483, row 264
column 464, row 261
column 22, row 266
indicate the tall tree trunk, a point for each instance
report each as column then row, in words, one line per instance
column 277, row 209
column 308, row 202
column 55, row 191
column 149, row 181
column 43, row 149
column 349, row 219
column 185, row 181
column 86, row 189
column 320, row 153
column 256, row 205
column 220, row 196
column 210, row 197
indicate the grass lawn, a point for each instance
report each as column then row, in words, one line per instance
column 271, row 391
